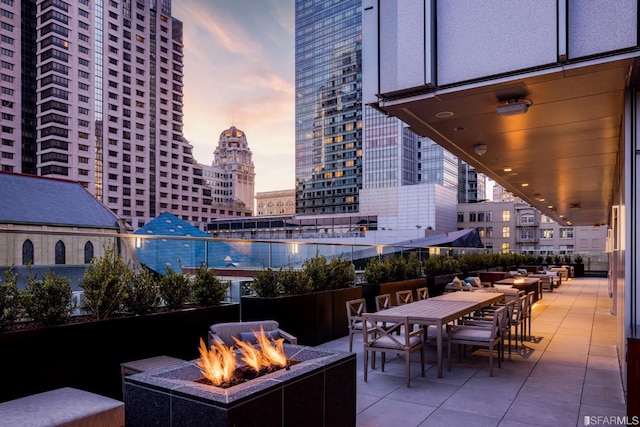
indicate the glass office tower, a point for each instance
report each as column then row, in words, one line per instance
column 328, row 106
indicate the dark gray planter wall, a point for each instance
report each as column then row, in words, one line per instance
column 313, row 318
column 88, row 355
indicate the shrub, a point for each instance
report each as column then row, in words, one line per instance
column 393, row 269
column 48, row 301
column 338, row 273
column 578, row 259
column 10, row 304
column 266, row 283
column 414, row 266
column 316, row 269
column 207, row 288
column 142, row 296
column 440, row 265
column 175, row 289
column 105, row 284
column 341, row 273
column 294, row 282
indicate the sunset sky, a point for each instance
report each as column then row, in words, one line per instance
column 239, row 70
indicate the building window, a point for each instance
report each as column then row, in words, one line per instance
column 505, row 247
column 506, row 216
column 546, row 234
column 566, row 233
column 27, row 252
column 60, row 253
column 472, row 216
column 460, row 216
column 506, row 232
column 88, row 252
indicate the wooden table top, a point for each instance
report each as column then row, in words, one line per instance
column 442, row 308
column 511, row 281
column 477, row 297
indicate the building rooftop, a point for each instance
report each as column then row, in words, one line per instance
column 29, row 199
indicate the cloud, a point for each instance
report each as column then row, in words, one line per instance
column 239, row 69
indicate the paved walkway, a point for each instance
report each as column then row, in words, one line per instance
column 568, row 371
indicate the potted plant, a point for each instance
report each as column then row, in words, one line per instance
column 392, row 274
column 309, row 303
column 48, row 301
column 578, row 265
column 86, row 351
column 105, row 284
column 9, row 299
column 207, row 288
column 143, row 293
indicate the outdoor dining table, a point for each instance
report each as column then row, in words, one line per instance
column 440, row 310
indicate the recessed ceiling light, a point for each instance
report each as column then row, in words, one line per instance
column 507, row 169
column 458, row 129
column 550, row 206
column 444, row 114
column 524, row 184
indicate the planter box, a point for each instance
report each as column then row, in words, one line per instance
column 371, row 290
column 437, row 284
column 313, row 318
column 578, row 270
column 88, row 355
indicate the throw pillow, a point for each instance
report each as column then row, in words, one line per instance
column 474, row 281
column 251, row 338
column 457, row 282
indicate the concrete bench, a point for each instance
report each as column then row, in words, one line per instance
column 66, row 406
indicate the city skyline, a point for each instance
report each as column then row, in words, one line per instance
column 227, row 44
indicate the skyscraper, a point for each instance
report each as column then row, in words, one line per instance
column 100, row 83
column 328, row 106
column 350, row 158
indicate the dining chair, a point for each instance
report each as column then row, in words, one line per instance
column 423, row 293
column 526, row 313
column 355, row 309
column 479, row 336
column 404, row 297
column 517, row 319
column 384, row 334
column 383, row 302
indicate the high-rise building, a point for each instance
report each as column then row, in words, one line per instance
column 342, row 164
column 472, row 187
column 435, row 164
column 231, row 176
column 390, row 155
column 328, row 106
column 92, row 91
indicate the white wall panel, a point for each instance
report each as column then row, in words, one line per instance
column 601, row 26
column 402, row 45
column 483, row 38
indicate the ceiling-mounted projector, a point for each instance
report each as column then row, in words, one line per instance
column 514, row 107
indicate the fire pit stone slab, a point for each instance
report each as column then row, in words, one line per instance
column 318, row 390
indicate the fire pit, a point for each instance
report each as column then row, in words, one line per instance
column 318, row 388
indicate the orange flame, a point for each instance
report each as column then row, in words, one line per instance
column 219, row 363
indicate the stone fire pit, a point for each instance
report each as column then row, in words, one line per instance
column 319, row 390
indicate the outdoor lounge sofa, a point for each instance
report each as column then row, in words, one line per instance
column 225, row 332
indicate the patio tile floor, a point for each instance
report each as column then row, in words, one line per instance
column 569, row 370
